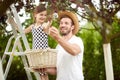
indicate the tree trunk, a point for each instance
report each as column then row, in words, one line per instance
column 108, row 61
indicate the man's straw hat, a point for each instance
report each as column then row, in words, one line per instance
column 73, row 16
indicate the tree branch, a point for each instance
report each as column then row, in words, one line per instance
column 115, row 35
column 4, row 6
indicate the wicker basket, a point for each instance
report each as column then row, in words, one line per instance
column 41, row 58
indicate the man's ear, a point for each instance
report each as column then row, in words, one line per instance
column 72, row 27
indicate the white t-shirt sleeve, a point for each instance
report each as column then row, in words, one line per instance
column 79, row 42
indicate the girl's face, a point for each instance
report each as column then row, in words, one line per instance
column 41, row 17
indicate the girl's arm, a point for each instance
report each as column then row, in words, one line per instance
column 51, row 71
column 28, row 29
column 11, row 21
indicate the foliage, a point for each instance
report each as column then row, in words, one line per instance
column 116, row 50
column 93, row 55
column 93, row 65
column 17, row 71
column 116, row 28
column 52, row 42
column 3, row 42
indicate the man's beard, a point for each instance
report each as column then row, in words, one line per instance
column 65, row 33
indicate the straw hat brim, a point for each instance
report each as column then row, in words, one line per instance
column 73, row 16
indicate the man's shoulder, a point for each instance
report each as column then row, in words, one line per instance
column 76, row 38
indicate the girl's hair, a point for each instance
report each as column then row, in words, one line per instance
column 39, row 8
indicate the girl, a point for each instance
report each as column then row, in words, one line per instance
column 39, row 31
column 39, row 28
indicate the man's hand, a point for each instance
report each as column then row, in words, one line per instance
column 54, row 33
column 39, row 69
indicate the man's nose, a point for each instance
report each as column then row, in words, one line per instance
column 63, row 24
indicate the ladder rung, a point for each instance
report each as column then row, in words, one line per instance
column 15, row 53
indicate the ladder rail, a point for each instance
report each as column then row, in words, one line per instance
column 7, row 47
column 12, row 54
column 10, row 59
column 24, row 60
column 22, row 33
column 17, row 44
column 20, row 26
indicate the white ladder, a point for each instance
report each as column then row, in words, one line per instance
column 17, row 46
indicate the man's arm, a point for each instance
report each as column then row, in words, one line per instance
column 73, row 49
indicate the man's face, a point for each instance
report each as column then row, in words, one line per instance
column 65, row 26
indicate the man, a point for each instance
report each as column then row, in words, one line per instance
column 70, row 48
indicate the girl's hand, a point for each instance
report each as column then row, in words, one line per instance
column 10, row 20
column 46, row 26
